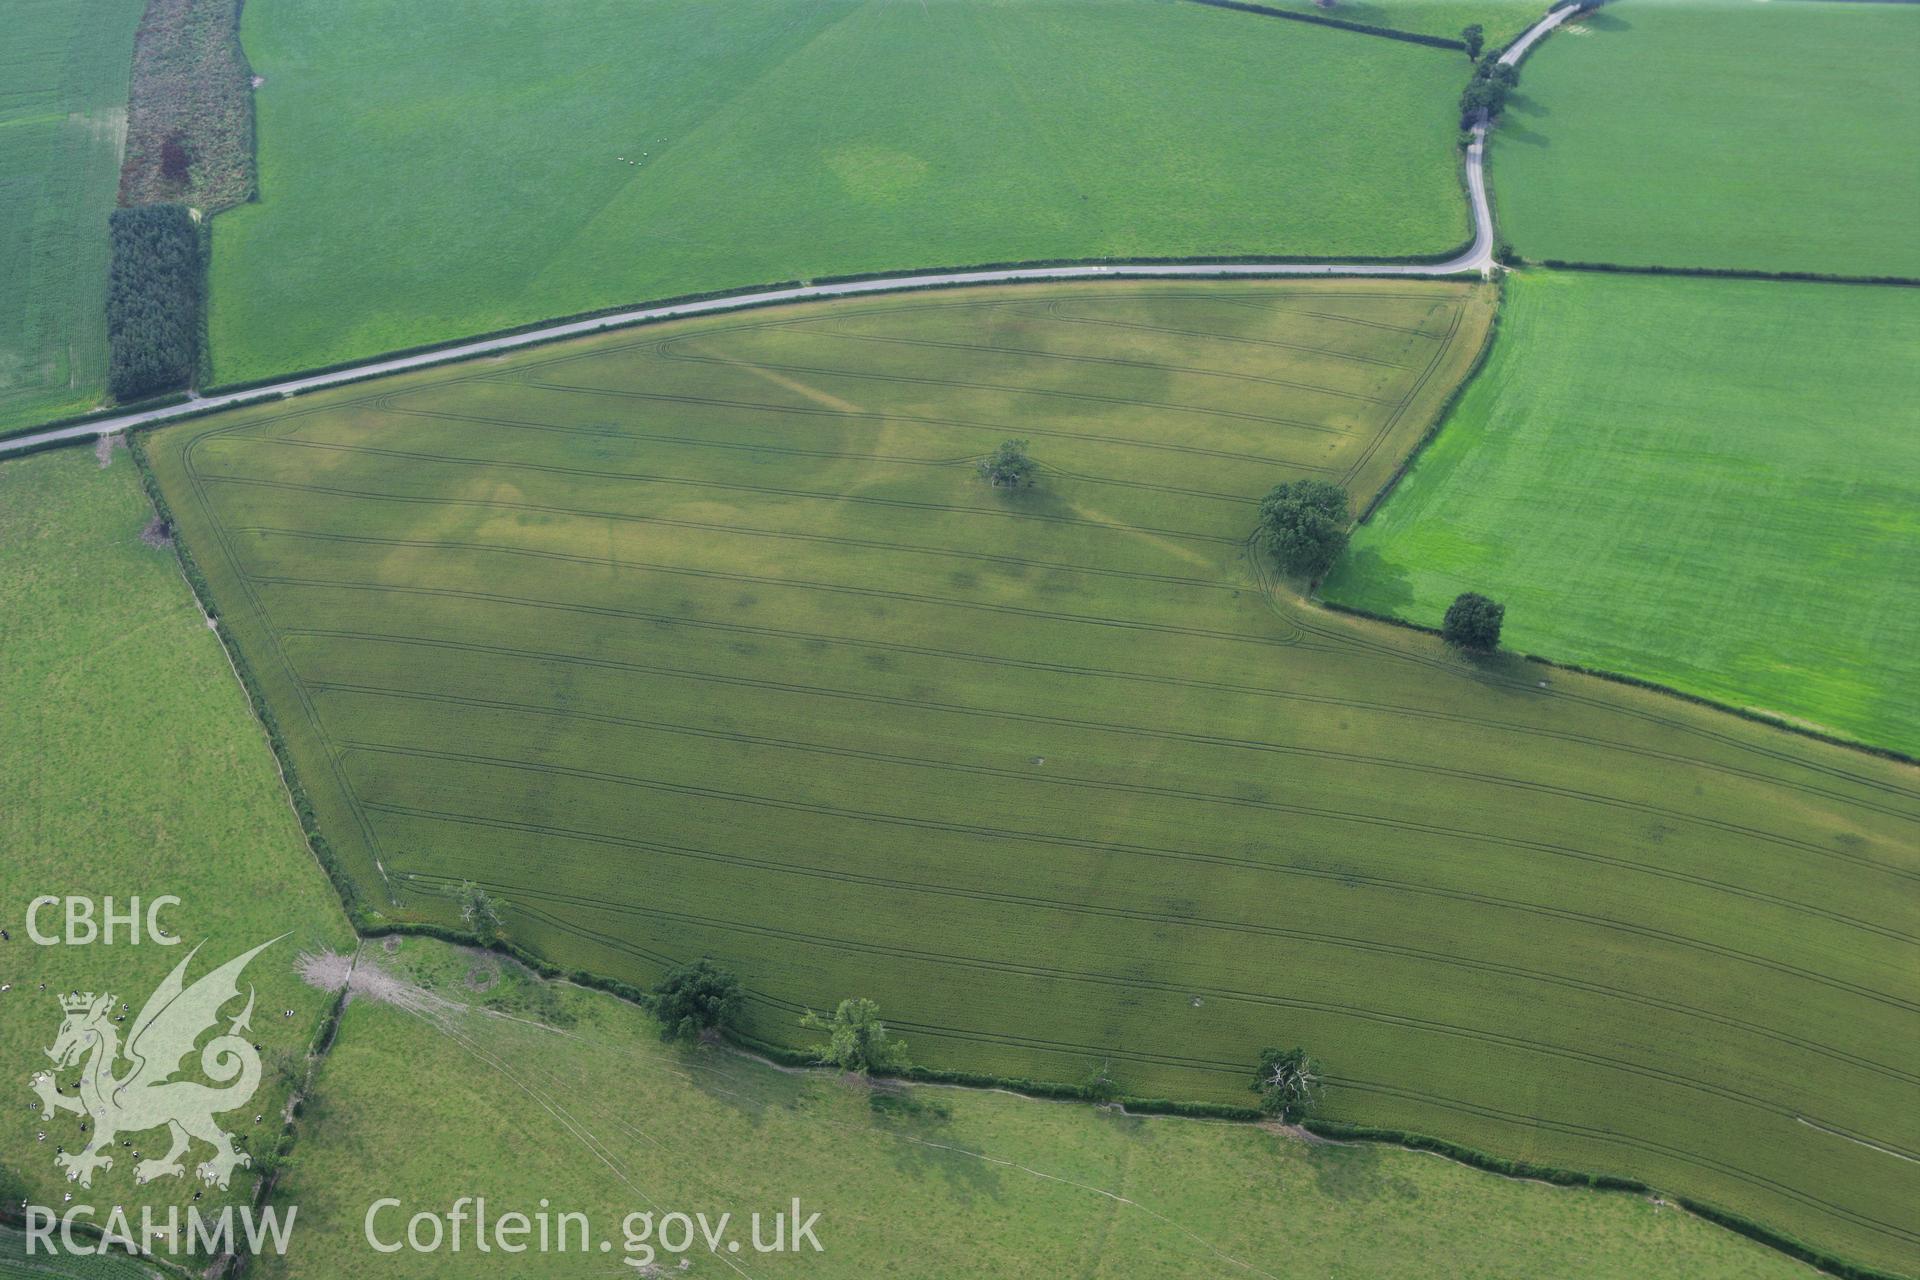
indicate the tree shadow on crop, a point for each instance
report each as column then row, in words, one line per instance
column 1605, row 19
column 1359, row 1173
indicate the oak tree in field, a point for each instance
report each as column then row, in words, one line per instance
column 1475, row 38
column 1008, row 465
column 480, row 911
column 693, row 999
column 856, row 1039
column 1306, row 523
column 1473, row 622
column 1288, row 1083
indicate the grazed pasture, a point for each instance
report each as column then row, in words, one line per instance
column 63, row 116
column 131, row 766
column 1704, row 483
column 1713, row 134
column 706, row 638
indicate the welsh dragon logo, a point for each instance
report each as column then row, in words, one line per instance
column 146, row 1094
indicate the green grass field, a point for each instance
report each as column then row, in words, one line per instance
column 707, row 638
column 63, row 115
column 1501, row 21
column 130, row 765
column 17, row 1264
column 1782, row 136
column 406, row 200
column 1708, row 484
column 910, row 1182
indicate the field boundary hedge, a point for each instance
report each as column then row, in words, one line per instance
column 1733, row 273
column 1652, row 686
column 256, row 697
column 1445, row 410
column 97, row 415
column 1364, row 28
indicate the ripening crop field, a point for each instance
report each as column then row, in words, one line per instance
column 707, row 638
column 1705, row 483
column 63, row 116
column 1782, row 136
column 554, row 159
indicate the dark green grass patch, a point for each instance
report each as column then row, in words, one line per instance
column 1710, row 484
column 549, row 160
column 709, row 638
column 1725, row 134
column 63, row 112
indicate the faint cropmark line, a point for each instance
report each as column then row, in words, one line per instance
column 146, row 1094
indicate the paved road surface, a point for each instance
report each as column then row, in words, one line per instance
column 1477, row 257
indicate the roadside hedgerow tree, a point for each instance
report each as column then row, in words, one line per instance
column 1101, row 1085
column 856, row 1038
column 1475, row 38
column 1306, row 522
column 480, row 911
column 1288, row 1083
column 1008, row 466
column 693, row 999
column 1483, row 99
column 1504, row 74
column 1473, row 622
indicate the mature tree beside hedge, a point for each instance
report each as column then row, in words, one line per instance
column 1473, row 622
column 1306, row 522
column 856, row 1039
column 154, row 289
column 480, row 912
column 1475, row 38
column 693, row 999
column 1288, row 1083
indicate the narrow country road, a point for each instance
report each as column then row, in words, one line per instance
column 1477, row 257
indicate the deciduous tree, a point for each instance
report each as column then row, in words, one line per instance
column 1306, row 523
column 856, row 1038
column 1288, row 1083
column 696, row 998
column 1473, row 622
